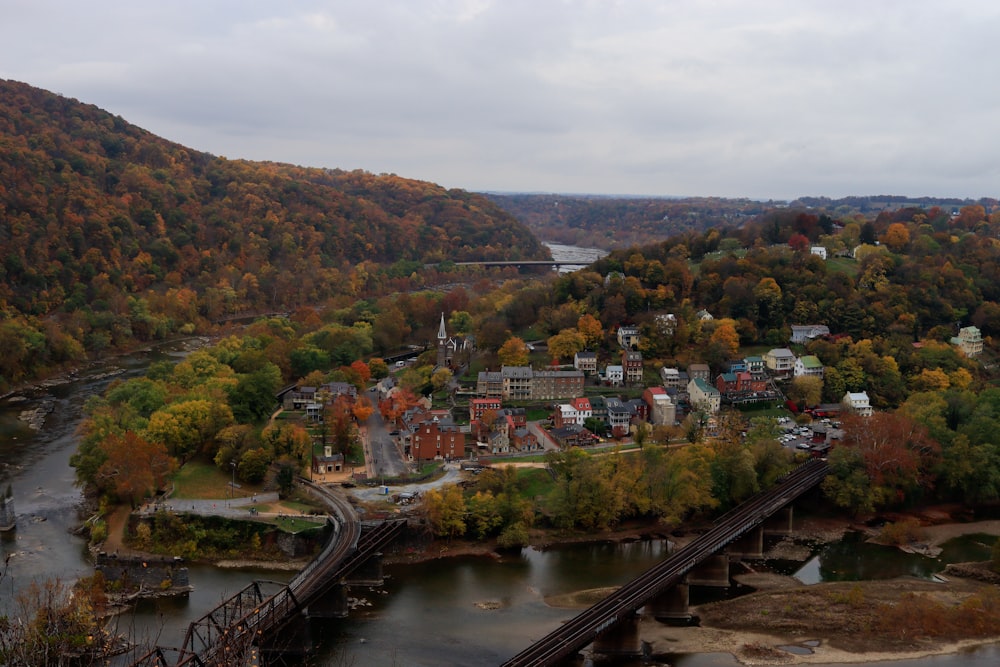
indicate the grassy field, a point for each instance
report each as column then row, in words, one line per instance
column 535, row 482
column 204, row 481
column 293, row 524
column 842, row 265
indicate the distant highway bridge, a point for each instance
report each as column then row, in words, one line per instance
column 613, row 620
column 517, row 263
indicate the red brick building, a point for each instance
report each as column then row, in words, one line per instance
column 434, row 440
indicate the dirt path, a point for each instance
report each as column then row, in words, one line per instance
column 116, row 531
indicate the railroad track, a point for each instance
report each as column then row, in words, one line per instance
column 581, row 630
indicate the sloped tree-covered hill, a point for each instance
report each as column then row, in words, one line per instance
column 110, row 234
column 618, row 222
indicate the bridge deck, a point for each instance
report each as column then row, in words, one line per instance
column 251, row 615
column 580, row 631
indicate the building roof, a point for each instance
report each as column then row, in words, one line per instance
column 811, row 361
column 704, row 386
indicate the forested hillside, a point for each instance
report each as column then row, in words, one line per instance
column 109, row 234
column 617, row 222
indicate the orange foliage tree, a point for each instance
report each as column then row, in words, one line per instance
column 135, row 467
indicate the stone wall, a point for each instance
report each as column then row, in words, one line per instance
column 144, row 574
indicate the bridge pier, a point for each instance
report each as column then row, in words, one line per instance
column 332, row 604
column 713, row 571
column 780, row 523
column 368, row 573
column 671, row 605
column 621, row 639
column 751, row 545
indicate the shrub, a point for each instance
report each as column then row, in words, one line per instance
column 902, row 532
column 99, row 531
column 514, row 535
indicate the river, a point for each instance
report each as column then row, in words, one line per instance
column 572, row 253
column 459, row 611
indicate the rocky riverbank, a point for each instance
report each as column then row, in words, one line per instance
column 786, row 622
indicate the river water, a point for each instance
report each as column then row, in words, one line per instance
column 572, row 253
column 458, row 611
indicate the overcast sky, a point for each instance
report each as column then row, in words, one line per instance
column 763, row 99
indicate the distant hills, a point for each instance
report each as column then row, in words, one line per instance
column 115, row 234
column 610, row 221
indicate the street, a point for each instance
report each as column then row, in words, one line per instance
column 383, row 457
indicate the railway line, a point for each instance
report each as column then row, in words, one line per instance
column 235, row 628
column 581, row 630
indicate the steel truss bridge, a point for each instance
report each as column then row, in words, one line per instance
column 234, row 632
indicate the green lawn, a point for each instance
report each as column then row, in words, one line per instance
column 842, row 265
column 293, row 524
column 201, row 480
column 535, row 482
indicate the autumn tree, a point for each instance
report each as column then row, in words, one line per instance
column 185, row 427
column 134, row 468
column 896, row 237
column 806, row 390
column 339, row 420
column 377, row 368
column 590, row 327
column 566, row 344
column 514, row 352
column 363, row 370
column 52, row 623
column 724, row 342
column 362, row 409
column 896, row 455
column 287, row 440
column 446, row 510
column 441, row 379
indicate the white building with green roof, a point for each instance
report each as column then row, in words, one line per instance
column 808, row 365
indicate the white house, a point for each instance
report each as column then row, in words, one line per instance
column 802, row 333
column 970, row 341
column 858, row 403
column 628, row 337
column 808, row 365
column 704, row 396
column 818, row 250
column 615, row 374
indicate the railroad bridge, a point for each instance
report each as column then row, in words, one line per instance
column 611, row 625
column 260, row 619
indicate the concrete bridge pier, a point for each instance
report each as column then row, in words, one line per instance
column 333, row 604
column 621, row 639
column 780, row 523
column 671, row 605
column 369, row 573
column 751, row 545
column 713, row 571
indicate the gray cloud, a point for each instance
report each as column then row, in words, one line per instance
column 776, row 98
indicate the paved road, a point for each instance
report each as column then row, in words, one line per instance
column 383, row 457
column 453, row 474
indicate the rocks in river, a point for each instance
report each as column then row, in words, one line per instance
column 489, row 605
column 35, row 418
